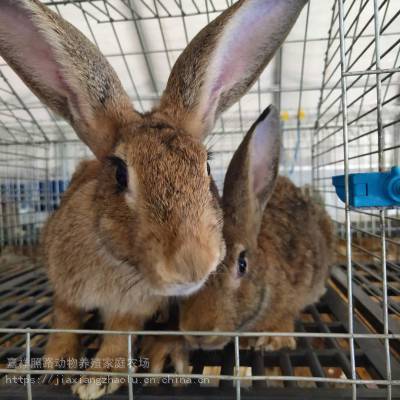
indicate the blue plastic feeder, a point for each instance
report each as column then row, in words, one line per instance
column 372, row 189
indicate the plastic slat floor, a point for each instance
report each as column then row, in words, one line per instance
column 25, row 301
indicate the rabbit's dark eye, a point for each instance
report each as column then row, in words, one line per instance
column 242, row 263
column 209, row 158
column 121, row 173
column 121, row 176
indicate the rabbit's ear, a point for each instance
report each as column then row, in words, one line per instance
column 224, row 60
column 252, row 172
column 66, row 71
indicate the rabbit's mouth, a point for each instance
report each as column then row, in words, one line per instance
column 251, row 318
column 182, row 289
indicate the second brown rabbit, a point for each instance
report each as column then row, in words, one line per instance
column 279, row 248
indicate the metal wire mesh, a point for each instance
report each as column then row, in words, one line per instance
column 357, row 131
column 349, row 123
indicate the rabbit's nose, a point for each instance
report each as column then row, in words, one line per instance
column 182, row 289
column 198, row 253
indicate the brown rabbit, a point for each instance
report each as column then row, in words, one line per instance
column 279, row 248
column 140, row 223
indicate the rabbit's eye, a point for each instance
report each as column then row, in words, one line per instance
column 242, row 263
column 122, row 178
column 209, row 157
column 121, row 173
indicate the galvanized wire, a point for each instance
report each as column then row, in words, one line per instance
column 366, row 139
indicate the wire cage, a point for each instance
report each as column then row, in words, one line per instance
column 336, row 83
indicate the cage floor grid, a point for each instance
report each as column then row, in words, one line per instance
column 26, row 302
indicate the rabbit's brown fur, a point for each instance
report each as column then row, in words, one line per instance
column 117, row 240
column 292, row 258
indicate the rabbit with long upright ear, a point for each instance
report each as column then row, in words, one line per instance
column 139, row 223
column 279, row 249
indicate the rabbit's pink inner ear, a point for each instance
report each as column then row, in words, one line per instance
column 246, row 45
column 28, row 45
column 66, row 71
column 264, row 154
column 240, row 42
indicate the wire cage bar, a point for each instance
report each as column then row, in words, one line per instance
column 336, row 83
column 363, row 141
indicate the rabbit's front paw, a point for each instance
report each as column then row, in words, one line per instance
column 62, row 351
column 94, row 387
column 275, row 343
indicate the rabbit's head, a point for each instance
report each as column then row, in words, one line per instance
column 234, row 295
column 154, row 201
